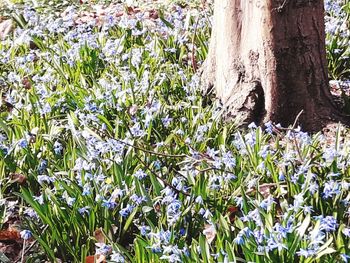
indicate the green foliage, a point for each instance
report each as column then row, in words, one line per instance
column 123, row 156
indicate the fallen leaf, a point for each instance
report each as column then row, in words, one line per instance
column 98, row 234
column 5, row 28
column 10, row 234
column 133, row 109
column 233, row 211
column 17, row 177
column 26, row 83
column 96, row 259
column 132, row 10
column 153, row 14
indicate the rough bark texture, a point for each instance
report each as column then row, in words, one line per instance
column 267, row 61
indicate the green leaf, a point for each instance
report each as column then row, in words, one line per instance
column 325, row 252
column 146, row 209
column 304, row 226
column 3, row 258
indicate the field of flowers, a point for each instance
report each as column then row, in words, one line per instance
column 109, row 153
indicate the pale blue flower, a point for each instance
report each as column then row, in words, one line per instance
column 26, row 234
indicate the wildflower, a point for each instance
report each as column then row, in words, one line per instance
column 57, row 147
column 102, row 248
column 269, row 127
column 137, row 199
column 110, row 204
column 345, row 257
column 84, row 210
column 144, row 230
column 165, row 236
column 313, row 187
column 250, row 138
column 317, row 238
column 329, row 224
column 259, row 235
column 298, row 201
column 281, row 176
column 239, row 240
column 264, row 151
column 117, row 257
column 331, row 189
column 306, row 253
column 166, row 121
column 42, row 166
column 22, row 143
column 31, row 213
column 39, row 199
column 45, row 109
column 267, row 203
column 137, row 131
column 330, row 154
column 199, row 200
column 252, row 126
column 211, row 153
column 140, row 174
column 173, row 211
column 26, row 234
column 272, row 244
column 282, row 231
column 45, row 178
column 346, row 232
column 86, row 189
column 228, row 160
column 177, row 183
column 126, row 211
column 70, row 201
column 171, row 258
column 308, row 209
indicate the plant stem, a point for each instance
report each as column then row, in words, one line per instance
column 23, row 251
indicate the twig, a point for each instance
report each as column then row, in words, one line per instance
column 152, row 152
column 30, row 247
column 160, row 178
column 23, row 250
column 282, row 7
column 215, row 169
column 296, row 119
column 295, row 139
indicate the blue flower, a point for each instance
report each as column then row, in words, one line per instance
column 45, row 178
column 329, row 224
column 306, row 253
column 126, row 211
column 42, row 166
column 103, row 249
column 57, row 147
column 346, row 232
column 331, row 189
column 144, row 230
column 267, row 203
column 86, row 189
column 239, row 239
column 22, row 143
column 26, row 234
column 140, row 174
column 110, row 204
column 117, row 257
column 166, row 121
column 345, row 257
column 84, row 210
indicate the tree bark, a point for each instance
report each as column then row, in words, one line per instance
column 267, row 61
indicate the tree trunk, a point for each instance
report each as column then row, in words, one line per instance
column 267, row 61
